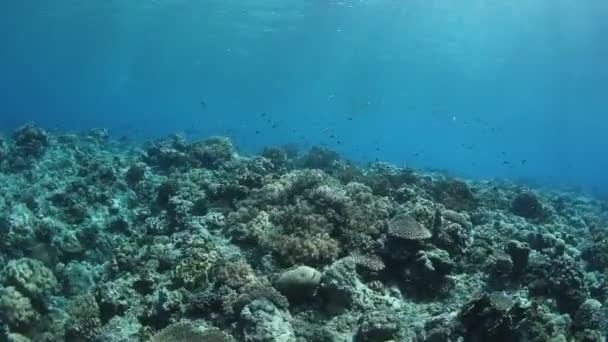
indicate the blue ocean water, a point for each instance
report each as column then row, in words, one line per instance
column 481, row 88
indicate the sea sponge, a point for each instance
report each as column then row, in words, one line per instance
column 405, row 227
column 16, row 309
column 30, row 277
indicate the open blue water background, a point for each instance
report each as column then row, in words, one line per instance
column 482, row 88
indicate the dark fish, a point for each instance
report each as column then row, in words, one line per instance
column 332, row 136
column 338, row 142
column 350, row 118
column 263, row 114
column 203, row 104
column 377, row 148
column 523, row 161
column 257, row 132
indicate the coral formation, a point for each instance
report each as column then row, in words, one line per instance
column 299, row 281
column 528, row 206
column 194, row 241
column 16, row 309
column 405, row 227
column 187, row 332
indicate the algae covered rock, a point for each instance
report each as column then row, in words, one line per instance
column 298, row 282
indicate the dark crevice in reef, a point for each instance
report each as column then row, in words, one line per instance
column 173, row 240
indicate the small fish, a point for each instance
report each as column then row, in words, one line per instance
column 523, row 161
column 339, row 142
column 350, row 118
column 257, row 132
column 377, row 148
column 203, row 104
column 263, row 114
column 506, row 162
column 332, row 136
column 274, row 125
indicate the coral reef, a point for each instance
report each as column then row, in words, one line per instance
column 194, row 241
column 527, row 205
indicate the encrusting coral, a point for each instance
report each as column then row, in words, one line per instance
column 193, row 241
